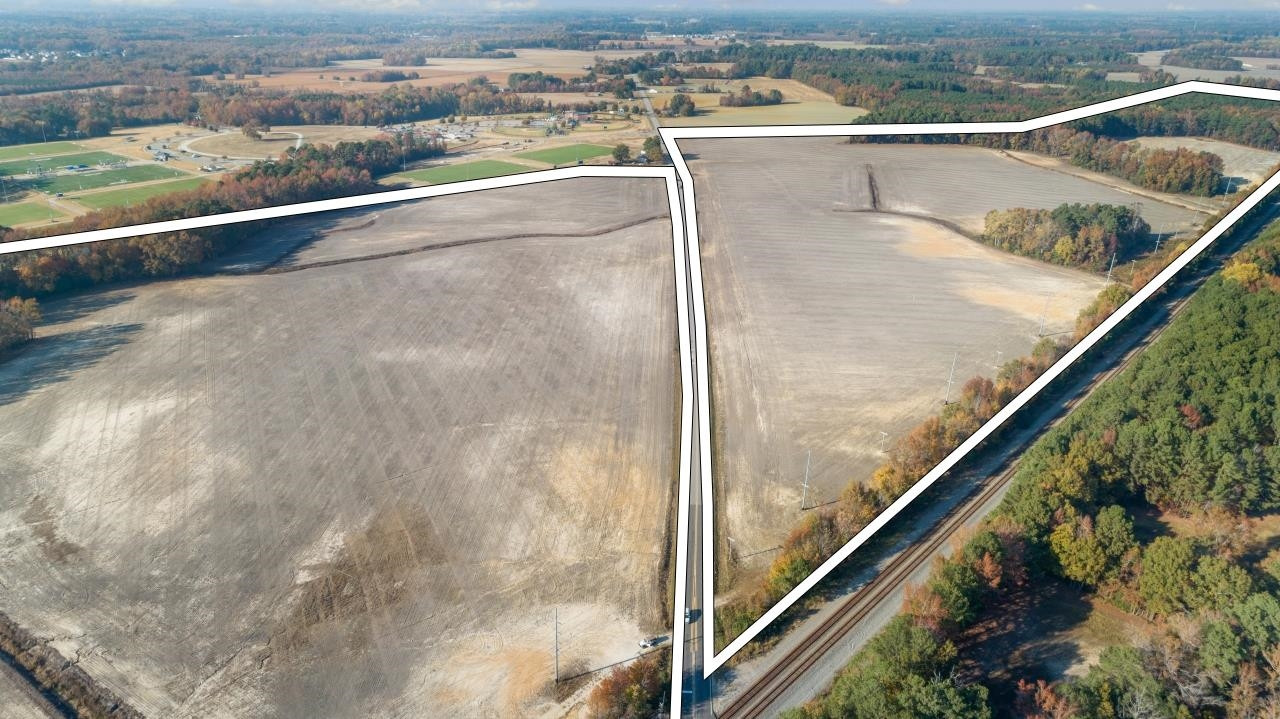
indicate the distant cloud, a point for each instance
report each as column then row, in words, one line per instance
column 511, row 4
column 895, row 3
column 1090, row 7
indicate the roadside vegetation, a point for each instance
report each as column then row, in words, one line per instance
column 1189, row 431
column 636, row 690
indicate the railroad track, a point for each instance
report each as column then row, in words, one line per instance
column 759, row 698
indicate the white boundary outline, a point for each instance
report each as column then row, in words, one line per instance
column 680, row 194
column 671, row 136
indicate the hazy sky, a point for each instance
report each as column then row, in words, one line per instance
column 690, row 5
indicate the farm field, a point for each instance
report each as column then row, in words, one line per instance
column 822, row 339
column 138, row 193
column 465, row 171
column 40, row 149
column 438, row 70
column 18, row 167
column 21, row 213
column 566, row 153
column 358, row 489
column 788, row 113
column 802, row 105
column 93, row 179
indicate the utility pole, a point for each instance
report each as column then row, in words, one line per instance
column 951, row 378
column 883, row 437
column 804, row 495
column 1044, row 314
column 1113, row 262
column 557, row 623
column 1159, row 235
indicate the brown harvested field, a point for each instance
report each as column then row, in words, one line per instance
column 802, row 105
column 830, row 323
column 363, row 488
column 437, row 71
column 1243, row 163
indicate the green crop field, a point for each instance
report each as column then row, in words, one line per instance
column 137, row 194
column 22, row 212
column 42, row 149
column 91, row 180
column 91, row 158
column 567, row 154
column 466, row 171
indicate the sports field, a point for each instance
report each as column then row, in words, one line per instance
column 91, row 180
column 465, row 171
column 23, row 212
column 91, row 158
column 137, row 194
column 38, row 149
column 566, row 154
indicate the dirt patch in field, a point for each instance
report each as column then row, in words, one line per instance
column 42, row 522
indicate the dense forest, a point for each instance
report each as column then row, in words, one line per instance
column 313, row 172
column 1191, row 430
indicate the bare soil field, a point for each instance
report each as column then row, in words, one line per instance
column 802, row 105
column 363, row 488
column 438, row 70
column 1238, row 161
column 831, row 324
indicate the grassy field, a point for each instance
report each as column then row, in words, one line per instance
column 91, row 158
column 92, row 180
column 140, row 193
column 37, row 149
column 465, row 171
column 566, row 154
column 322, row 526
column 23, row 212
